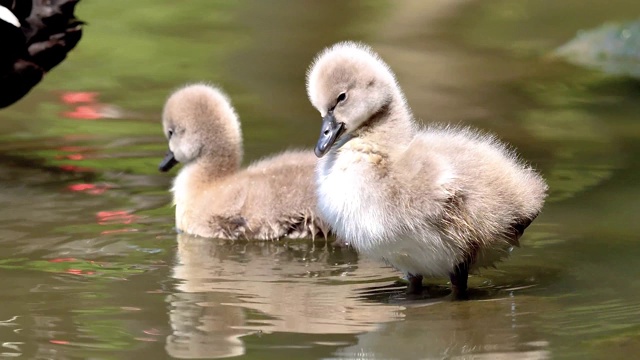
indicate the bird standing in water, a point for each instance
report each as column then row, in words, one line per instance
column 436, row 201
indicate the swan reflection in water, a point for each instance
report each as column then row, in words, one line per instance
column 228, row 289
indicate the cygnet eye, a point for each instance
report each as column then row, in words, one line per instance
column 342, row 97
column 169, row 133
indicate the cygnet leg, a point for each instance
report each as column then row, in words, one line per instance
column 459, row 279
column 415, row 284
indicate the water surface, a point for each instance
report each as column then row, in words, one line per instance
column 92, row 268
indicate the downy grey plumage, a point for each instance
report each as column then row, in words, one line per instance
column 270, row 199
column 435, row 201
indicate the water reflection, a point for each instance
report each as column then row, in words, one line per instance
column 585, row 152
column 231, row 289
column 493, row 329
column 228, row 292
column 202, row 327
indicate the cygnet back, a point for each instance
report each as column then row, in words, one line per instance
column 270, row 199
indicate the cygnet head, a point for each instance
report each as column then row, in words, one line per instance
column 349, row 83
column 201, row 125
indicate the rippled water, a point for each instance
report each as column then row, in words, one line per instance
column 92, row 268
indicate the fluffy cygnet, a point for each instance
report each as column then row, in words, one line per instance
column 436, row 201
column 270, row 199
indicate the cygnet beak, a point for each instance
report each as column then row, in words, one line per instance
column 330, row 132
column 168, row 162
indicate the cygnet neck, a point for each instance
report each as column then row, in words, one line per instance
column 220, row 160
column 392, row 124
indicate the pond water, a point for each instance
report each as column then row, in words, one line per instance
column 91, row 265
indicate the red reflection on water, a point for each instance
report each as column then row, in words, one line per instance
column 93, row 189
column 71, row 157
column 87, row 107
column 81, row 187
column 85, row 112
column 72, row 270
column 59, row 342
column 79, row 272
column 75, row 156
column 74, row 97
column 115, row 217
column 118, row 231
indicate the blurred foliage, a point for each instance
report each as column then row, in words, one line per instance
column 142, row 48
column 533, row 27
column 571, row 108
column 611, row 48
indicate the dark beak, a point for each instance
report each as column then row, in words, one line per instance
column 330, row 132
column 168, row 162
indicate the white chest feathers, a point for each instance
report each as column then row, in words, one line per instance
column 346, row 199
column 367, row 213
column 181, row 192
